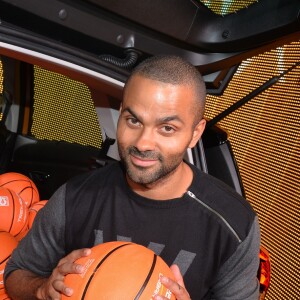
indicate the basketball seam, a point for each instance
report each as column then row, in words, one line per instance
column 13, row 218
column 5, row 259
column 14, row 180
column 31, row 190
column 37, row 204
column 97, row 267
column 147, row 278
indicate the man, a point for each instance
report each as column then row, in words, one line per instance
column 153, row 197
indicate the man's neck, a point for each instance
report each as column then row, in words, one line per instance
column 174, row 186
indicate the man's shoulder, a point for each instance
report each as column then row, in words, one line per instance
column 223, row 201
column 90, row 185
column 110, row 171
column 213, row 190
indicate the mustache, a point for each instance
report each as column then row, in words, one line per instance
column 144, row 154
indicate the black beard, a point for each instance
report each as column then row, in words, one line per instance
column 141, row 175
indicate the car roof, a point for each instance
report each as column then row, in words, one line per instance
column 103, row 35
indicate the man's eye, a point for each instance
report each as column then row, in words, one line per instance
column 167, row 129
column 133, row 121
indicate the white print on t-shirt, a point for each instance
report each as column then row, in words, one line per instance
column 184, row 259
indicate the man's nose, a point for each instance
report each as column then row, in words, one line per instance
column 145, row 140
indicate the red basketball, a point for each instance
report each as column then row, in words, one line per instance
column 119, row 270
column 22, row 185
column 33, row 210
column 13, row 212
column 7, row 244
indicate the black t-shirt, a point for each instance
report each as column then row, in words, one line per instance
column 211, row 232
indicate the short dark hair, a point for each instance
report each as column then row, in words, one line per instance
column 174, row 70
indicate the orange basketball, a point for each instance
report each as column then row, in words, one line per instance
column 13, row 212
column 119, row 270
column 33, row 210
column 22, row 185
column 4, row 296
column 7, row 244
column 22, row 233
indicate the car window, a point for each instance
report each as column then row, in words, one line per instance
column 64, row 110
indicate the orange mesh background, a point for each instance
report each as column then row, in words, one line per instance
column 224, row 7
column 64, row 110
column 265, row 138
column 1, row 87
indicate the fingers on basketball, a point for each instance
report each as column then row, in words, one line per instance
column 119, row 270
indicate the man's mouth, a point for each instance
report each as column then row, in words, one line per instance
column 142, row 162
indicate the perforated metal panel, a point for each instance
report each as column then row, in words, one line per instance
column 1, row 87
column 224, row 7
column 1, row 77
column 63, row 110
column 265, row 136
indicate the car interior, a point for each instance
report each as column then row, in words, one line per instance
column 63, row 65
column 53, row 145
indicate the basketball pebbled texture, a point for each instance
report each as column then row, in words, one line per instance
column 7, row 244
column 119, row 271
column 33, row 210
column 13, row 212
column 22, row 185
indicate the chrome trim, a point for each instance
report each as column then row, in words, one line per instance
column 60, row 62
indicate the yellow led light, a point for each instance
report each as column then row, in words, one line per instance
column 265, row 137
column 223, row 7
column 64, row 110
column 1, row 77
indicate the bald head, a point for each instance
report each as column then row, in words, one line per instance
column 174, row 70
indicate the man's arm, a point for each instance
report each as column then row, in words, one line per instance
column 23, row 284
column 237, row 278
column 28, row 281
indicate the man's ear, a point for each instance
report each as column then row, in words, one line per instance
column 197, row 133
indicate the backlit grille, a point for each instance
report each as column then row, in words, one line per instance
column 266, row 141
column 63, row 110
column 1, row 77
column 1, row 86
column 224, row 7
